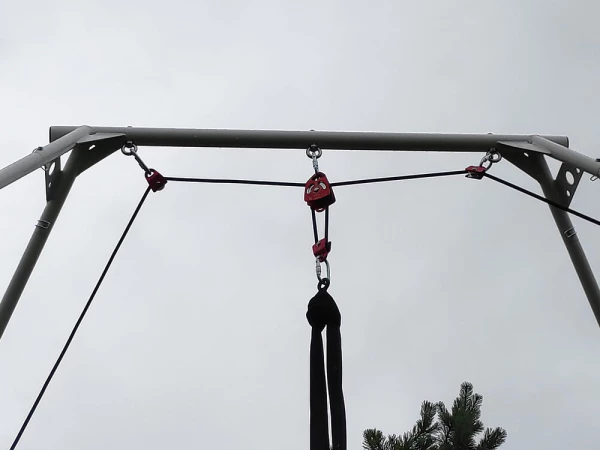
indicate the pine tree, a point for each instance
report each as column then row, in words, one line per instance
column 440, row 429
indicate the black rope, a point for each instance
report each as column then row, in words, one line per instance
column 224, row 181
column 314, row 223
column 543, row 199
column 292, row 184
column 79, row 320
column 323, row 312
column 326, row 225
column 400, row 178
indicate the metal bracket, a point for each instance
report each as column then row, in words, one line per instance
column 52, row 175
column 522, row 157
column 96, row 147
column 528, row 157
column 566, row 183
column 93, row 149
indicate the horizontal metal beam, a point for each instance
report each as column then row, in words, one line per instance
column 172, row 137
column 42, row 156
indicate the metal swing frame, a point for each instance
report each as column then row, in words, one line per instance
column 90, row 144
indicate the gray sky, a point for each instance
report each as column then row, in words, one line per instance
column 198, row 337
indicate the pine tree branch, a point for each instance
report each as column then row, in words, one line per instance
column 492, row 439
column 373, row 439
column 440, row 429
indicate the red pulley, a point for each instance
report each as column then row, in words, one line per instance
column 155, row 180
column 476, row 172
column 321, row 249
column 318, row 193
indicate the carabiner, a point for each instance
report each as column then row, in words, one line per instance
column 318, row 267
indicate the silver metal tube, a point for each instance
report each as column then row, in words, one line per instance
column 172, row 137
column 564, row 154
column 38, row 158
column 571, row 240
column 36, row 243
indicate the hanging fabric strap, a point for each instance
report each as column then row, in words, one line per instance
column 323, row 312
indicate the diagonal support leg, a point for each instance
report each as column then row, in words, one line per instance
column 37, row 242
column 88, row 151
column 535, row 165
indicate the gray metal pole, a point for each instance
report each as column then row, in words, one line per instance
column 36, row 243
column 564, row 154
column 173, row 137
column 571, row 240
column 43, row 156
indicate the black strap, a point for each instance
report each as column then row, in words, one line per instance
column 323, row 311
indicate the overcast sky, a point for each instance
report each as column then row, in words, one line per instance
column 198, row 337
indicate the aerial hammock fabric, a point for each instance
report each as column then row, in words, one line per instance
column 323, row 312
